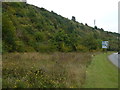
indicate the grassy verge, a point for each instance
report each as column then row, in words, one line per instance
column 40, row 70
column 101, row 73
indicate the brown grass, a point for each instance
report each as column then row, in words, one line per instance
column 63, row 69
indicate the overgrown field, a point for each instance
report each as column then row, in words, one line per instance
column 41, row 70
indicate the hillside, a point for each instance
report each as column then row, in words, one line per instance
column 27, row 28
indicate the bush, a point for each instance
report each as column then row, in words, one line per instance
column 65, row 48
column 20, row 47
column 29, row 49
column 45, row 48
column 40, row 36
column 82, row 48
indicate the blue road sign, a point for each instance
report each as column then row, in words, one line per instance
column 105, row 44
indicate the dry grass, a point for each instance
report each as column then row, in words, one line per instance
column 30, row 70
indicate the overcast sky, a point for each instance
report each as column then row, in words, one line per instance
column 105, row 12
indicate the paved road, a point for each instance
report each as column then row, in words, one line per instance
column 115, row 59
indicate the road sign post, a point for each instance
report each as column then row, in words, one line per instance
column 105, row 45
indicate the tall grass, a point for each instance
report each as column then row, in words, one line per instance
column 41, row 70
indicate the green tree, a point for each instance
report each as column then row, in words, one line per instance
column 61, row 41
column 40, row 36
column 8, row 33
column 73, row 18
column 90, row 42
column 95, row 27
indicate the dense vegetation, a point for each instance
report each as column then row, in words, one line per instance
column 42, row 70
column 27, row 28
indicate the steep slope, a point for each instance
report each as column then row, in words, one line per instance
column 27, row 28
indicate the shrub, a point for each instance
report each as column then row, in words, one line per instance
column 45, row 48
column 82, row 48
column 20, row 46
column 29, row 49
